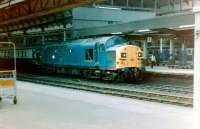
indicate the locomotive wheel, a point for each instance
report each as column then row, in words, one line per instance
column 84, row 74
column 138, row 76
column 122, row 77
column 87, row 74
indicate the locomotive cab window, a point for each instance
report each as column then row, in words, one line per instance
column 89, row 54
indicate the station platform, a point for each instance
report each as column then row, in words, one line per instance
column 170, row 71
column 46, row 107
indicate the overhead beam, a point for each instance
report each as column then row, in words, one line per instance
column 172, row 21
column 59, row 18
column 33, row 9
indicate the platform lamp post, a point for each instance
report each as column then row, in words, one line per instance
column 196, row 96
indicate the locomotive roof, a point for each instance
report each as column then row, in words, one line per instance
column 101, row 40
column 94, row 40
column 89, row 41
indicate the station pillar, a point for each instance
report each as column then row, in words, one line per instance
column 196, row 95
column 161, row 50
column 24, row 41
column 43, row 36
column 183, row 46
column 183, row 53
column 64, row 35
column 145, row 51
column 171, row 49
column 64, row 32
column 43, row 39
column 171, row 52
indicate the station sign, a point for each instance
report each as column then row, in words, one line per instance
column 149, row 39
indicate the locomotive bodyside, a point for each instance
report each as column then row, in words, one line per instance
column 102, row 57
column 105, row 57
column 89, row 53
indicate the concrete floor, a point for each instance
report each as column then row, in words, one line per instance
column 166, row 70
column 43, row 107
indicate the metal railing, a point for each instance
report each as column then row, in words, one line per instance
column 8, row 76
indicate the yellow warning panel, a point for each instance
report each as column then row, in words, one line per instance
column 128, row 57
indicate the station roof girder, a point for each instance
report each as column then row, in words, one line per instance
column 27, row 10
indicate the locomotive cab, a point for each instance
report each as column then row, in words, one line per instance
column 128, row 56
column 123, row 61
column 129, row 63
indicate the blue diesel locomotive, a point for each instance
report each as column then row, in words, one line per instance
column 108, row 58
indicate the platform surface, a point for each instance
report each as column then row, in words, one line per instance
column 166, row 70
column 45, row 107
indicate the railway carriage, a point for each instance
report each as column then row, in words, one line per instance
column 25, row 59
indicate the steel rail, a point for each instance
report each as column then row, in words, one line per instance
column 149, row 95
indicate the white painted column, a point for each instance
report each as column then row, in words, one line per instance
column 145, row 49
column 183, row 46
column 127, row 3
column 171, row 48
column 155, row 5
column 196, row 95
column 161, row 45
column 142, row 3
column 161, row 50
column 112, row 2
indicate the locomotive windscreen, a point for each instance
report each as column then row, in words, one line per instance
column 115, row 41
column 7, row 61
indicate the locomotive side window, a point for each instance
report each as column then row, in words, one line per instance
column 89, row 54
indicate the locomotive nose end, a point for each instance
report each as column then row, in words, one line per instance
column 129, row 56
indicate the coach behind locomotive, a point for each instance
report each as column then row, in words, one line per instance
column 105, row 57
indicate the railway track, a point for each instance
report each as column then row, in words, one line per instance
column 177, row 95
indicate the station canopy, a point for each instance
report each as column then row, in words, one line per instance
column 24, row 14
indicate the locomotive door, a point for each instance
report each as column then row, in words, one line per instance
column 37, row 57
column 97, row 53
